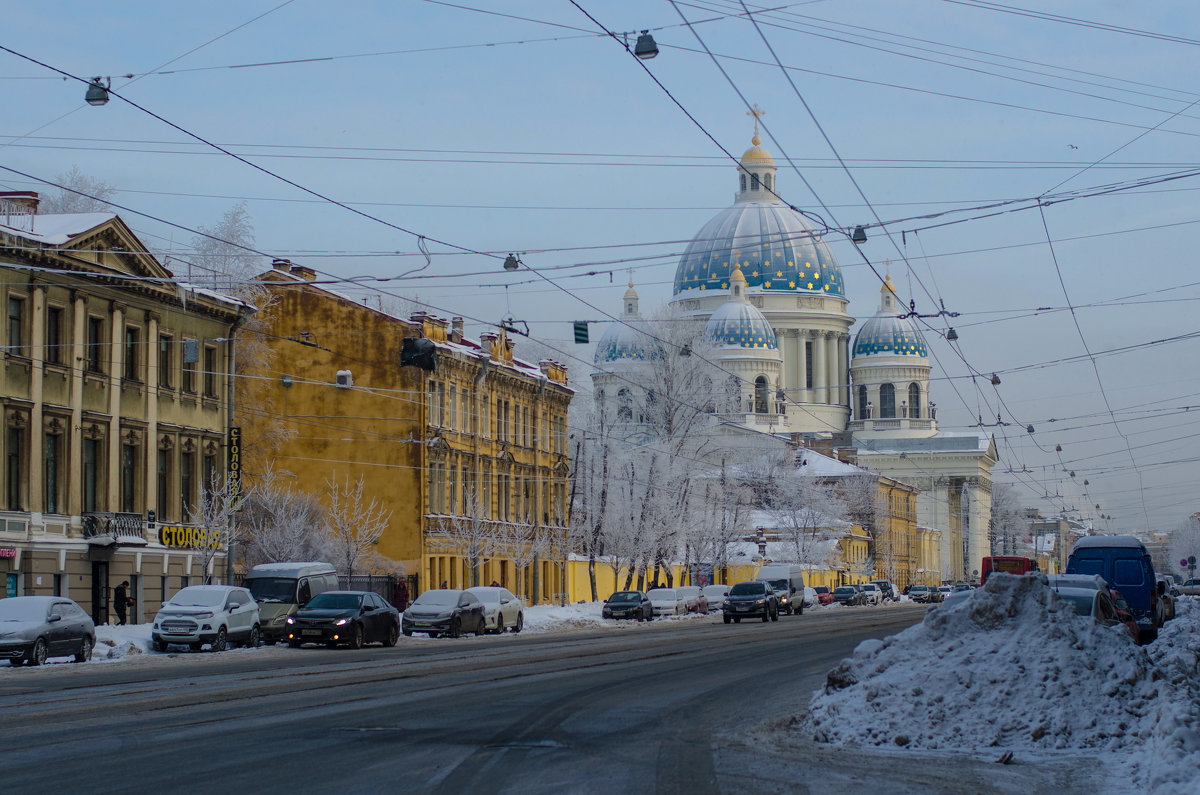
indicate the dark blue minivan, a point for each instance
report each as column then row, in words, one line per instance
column 1125, row 565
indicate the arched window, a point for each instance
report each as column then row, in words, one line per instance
column 743, row 183
column 762, row 394
column 914, row 400
column 767, row 181
column 754, row 182
column 887, row 401
column 624, row 406
column 861, row 409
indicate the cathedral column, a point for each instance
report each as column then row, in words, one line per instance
column 787, row 348
column 802, row 340
column 820, row 393
column 831, row 361
column 843, row 347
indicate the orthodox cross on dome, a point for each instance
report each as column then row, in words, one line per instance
column 630, row 277
column 756, row 111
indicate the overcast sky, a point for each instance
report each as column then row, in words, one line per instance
column 531, row 133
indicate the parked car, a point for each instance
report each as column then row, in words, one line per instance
column 628, row 604
column 715, row 594
column 36, row 628
column 1124, row 564
column 280, row 589
column 1096, row 604
column 1190, row 588
column 954, row 598
column 218, row 615
column 847, row 595
column 667, row 601
column 943, row 591
column 502, row 609
column 444, row 612
column 787, row 579
column 871, row 593
column 755, row 599
column 1124, row 615
column 887, row 590
column 1091, row 581
column 810, row 597
column 694, row 598
column 824, row 594
column 344, row 617
column 922, row 593
column 1166, row 601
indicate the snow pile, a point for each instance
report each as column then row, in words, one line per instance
column 1014, row 667
column 119, row 642
column 584, row 616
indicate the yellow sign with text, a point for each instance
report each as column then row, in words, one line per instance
column 188, row 537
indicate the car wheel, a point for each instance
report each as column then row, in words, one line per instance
column 392, row 636
column 766, row 616
column 737, row 619
column 293, row 644
column 500, row 624
column 481, row 627
column 160, row 645
column 356, row 637
column 17, row 662
column 38, row 655
column 254, row 640
column 455, row 629
column 85, row 650
column 434, row 634
column 520, row 622
column 222, row 640
column 775, row 616
column 407, row 633
column 195, row 646
column 727, row 619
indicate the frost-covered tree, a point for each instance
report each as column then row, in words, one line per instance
column 1185, row 541
column 281, row 523
column 353, row 524
column 804, row 507
column 79, row 194
column 470, row 534
column 1007, row 528
column 212, row 519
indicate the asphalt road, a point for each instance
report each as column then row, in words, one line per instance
column 688, row 706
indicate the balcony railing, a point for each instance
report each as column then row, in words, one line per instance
column 117, row 526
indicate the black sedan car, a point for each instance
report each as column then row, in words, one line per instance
column 444, row 612
column 848, row 595
column 35, row 628
column 628, row 604
column 344, row 617
column 755, row 599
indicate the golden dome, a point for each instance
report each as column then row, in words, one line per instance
column 756, row 155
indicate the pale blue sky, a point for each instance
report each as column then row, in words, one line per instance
column 555, row 147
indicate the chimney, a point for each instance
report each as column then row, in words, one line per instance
column 487, row 341
column 304, row 272
column 26, row 200
column 284, row 265
column 456, row 334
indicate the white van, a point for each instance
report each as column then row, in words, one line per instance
column 787, row 580
column 282, row 588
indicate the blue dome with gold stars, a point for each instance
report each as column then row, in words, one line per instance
column 776, row 248
column 740, row 325
column 620, row 343
column 889, row 333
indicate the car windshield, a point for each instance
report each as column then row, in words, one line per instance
column 334, row 601
column 747, row 589
column 198, row 597
column 625, row 596
column 437, row 599
column 662, row 595
column 845, row 589
column 919, row 588
column 273, row 589
column 1081, row 602
column 868, row 587
column 778, row 585
column 489, row 595
column 821, row 588
column 714, row 589
column 22, row 610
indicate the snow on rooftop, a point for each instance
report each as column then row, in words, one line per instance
column 817, row 465
column 1014, row 668
column 56, row 229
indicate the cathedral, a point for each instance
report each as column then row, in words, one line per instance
column 768, row 291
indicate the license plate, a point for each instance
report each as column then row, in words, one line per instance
column 311, row 632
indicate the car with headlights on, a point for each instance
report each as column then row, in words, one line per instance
column 715, row 594
column 667, row 601
column 217, row 615
column 352, row 618
column 502, row 609
column 444, row 611
column 751, row 599
column 628, row 604
column 35, row 628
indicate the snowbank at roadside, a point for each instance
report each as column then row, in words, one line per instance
column 119, row 642
column 1015, row 668
column 581, row 616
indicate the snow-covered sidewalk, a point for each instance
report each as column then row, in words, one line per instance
column 1015, row 669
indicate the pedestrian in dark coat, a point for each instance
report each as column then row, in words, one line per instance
column 121, row 600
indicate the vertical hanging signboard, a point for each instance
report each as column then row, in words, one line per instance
column 234, row 469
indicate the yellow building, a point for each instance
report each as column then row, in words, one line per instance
column 897, row 543
column 443, row 430
column 116, row 409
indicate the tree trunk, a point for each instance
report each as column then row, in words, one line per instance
column 592, row 575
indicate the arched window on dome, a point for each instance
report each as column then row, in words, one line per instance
column 743, row 183
column 754, row 181
column 887, row 401
column 767, row 181
column 860, row 409
column 914, row 400
column 624, row 406
column 762, row 394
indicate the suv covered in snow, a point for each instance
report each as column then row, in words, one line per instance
column 214, row 614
